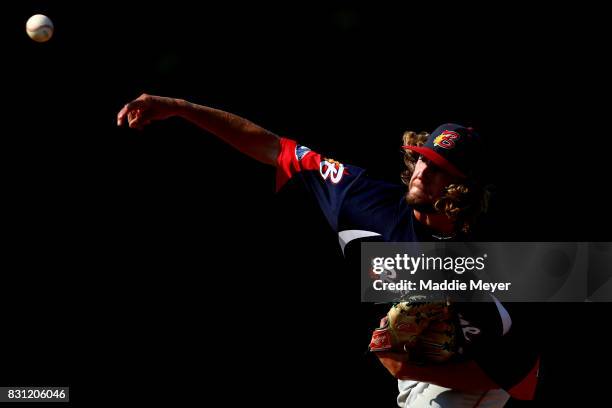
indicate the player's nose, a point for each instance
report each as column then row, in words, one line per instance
column 423, row 171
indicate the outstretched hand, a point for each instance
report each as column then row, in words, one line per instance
column 145, row 109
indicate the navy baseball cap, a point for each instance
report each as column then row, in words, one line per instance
column 454, row 148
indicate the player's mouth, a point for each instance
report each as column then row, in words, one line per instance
column 418, row 193
column 417, row 186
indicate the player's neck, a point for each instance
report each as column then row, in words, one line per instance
column 437, row 222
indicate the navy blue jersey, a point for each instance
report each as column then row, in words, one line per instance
column 359, row 208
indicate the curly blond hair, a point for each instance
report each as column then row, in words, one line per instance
column 463, row 203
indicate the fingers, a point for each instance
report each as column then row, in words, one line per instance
column 136, row 104
column 138, row 119
column 121, row 115
column 135, row 119
column 132, row 117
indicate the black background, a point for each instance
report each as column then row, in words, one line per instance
column 156, row 259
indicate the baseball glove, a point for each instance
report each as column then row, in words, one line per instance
column 417, row 331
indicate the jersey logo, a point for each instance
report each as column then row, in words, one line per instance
column 300, row 152
column 446, row 139
column 331, row 169
column 469, row 332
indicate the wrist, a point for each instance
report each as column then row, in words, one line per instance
column 180, row 107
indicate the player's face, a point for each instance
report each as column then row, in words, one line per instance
column 427, row 184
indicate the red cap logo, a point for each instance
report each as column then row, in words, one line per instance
column 446, row 139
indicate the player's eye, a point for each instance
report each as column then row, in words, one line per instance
column 431, row 166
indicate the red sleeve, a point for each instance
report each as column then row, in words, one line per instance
column 288, row 162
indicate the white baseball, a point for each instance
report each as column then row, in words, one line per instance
column 39, row 27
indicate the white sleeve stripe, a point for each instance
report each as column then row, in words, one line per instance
column 349, row 235
column 504, row 315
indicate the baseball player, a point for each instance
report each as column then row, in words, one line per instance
column 441, row 199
